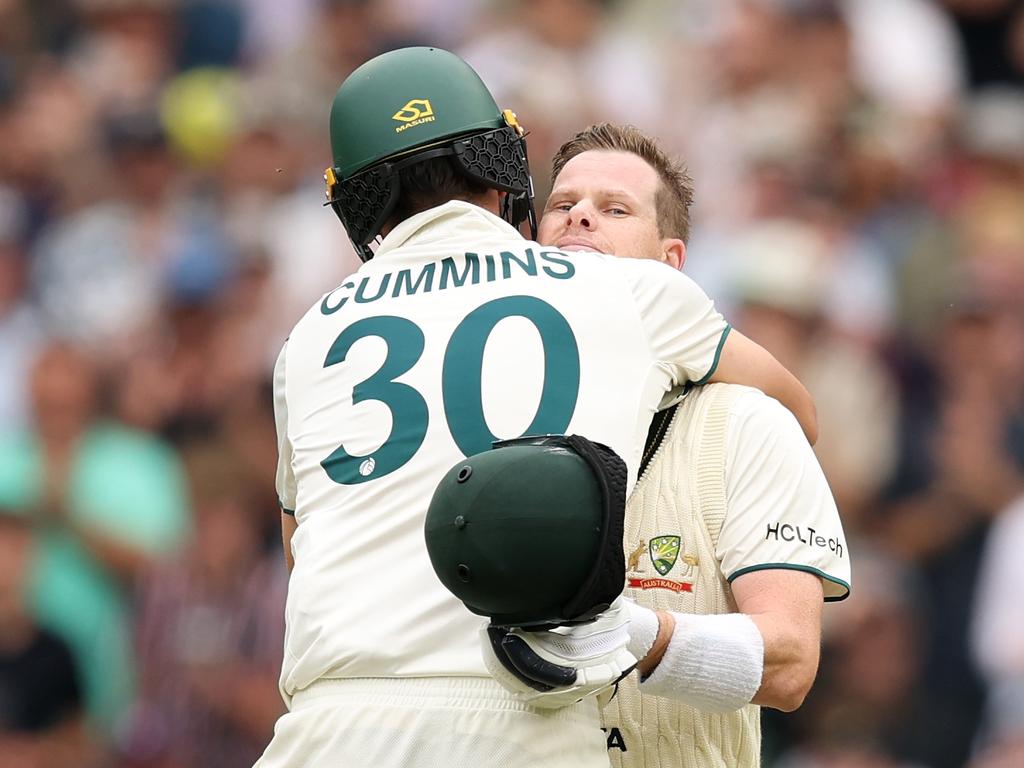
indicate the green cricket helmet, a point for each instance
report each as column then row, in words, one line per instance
column 530, row 532
column 410, row 105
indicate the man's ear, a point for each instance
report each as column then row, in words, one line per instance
column 673, row 252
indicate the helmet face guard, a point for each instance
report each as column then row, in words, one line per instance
column 497, row 158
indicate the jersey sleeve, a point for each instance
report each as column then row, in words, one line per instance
column 685, row 331
column 285, row 480
column 780, row 512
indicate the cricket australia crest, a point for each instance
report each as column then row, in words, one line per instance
column 663, row 553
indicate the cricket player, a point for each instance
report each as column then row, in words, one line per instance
column 455, row 332
column 732, row 537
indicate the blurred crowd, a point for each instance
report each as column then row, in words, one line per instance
column 859, row 167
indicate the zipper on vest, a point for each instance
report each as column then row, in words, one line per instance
column 660, row 426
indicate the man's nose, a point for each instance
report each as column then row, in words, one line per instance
column 582, row 215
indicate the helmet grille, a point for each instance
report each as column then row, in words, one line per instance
column 495, row 157
column 364, row 201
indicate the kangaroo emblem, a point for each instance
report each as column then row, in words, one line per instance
column 633, row 563
column 690, row 561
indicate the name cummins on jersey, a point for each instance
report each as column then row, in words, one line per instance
column 459, row 332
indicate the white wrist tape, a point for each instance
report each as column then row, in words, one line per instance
column 643, row 628
column 713, row 663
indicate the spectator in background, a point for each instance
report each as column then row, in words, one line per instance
column 998, row 627
column 209, row 630
column 960, row 467
column 19, row 331
column 101, row 271
column 992, row 35
column 566, row 63
column 267, row 187
column 856, row 715
column 997, row 480
column 207, row 374
column 107, row 500
column 126, row 51
column 782, row 121
column 905, row 53
column 174, row 385
column 977, row 190
column 41, row 712
column 1006, row 754
column 748, row 102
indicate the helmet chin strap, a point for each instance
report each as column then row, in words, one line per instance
column 528, row 197
column 531, row 217
column 511, row 211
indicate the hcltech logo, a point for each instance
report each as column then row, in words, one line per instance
column 805, row 535
column 415, row 112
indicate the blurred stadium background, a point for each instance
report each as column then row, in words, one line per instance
column 860, row 211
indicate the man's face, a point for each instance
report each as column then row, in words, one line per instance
column 605, row 201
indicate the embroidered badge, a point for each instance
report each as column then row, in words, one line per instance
column 663, row 552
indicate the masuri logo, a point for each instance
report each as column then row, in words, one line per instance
column 415, row 112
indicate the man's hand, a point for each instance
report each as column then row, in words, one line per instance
column 557, row 667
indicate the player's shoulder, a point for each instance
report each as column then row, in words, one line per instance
column 327, row 304
column 739, row 396
column 749, row 406
column 602, row 261
column 585, row 259
column 658, row 281
column 646, row 279
column 636, row 268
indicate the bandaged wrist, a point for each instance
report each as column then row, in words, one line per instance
column 713, row 663
column 643, row 629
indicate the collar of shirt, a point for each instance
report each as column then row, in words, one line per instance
column 454, row 222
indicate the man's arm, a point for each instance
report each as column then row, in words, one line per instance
column 284, row 480
column 288, row 526
column 743, row 361
column 767, row 654
column 685, row 330
column 782, row 548
column 785, row 607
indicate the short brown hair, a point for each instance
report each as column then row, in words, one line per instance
column 430, row 183
column 675, row 194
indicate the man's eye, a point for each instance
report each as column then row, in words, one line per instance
column 563, row 207
column 618, row 212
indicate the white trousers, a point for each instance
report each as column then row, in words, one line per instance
column 464, row 722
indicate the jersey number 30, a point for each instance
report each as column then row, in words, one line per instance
column 460, row 383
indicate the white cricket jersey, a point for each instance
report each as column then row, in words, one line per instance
column 780, row 512
column 457, row 333
column 734, row 487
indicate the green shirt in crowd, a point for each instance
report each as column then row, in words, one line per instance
column 128, row 486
